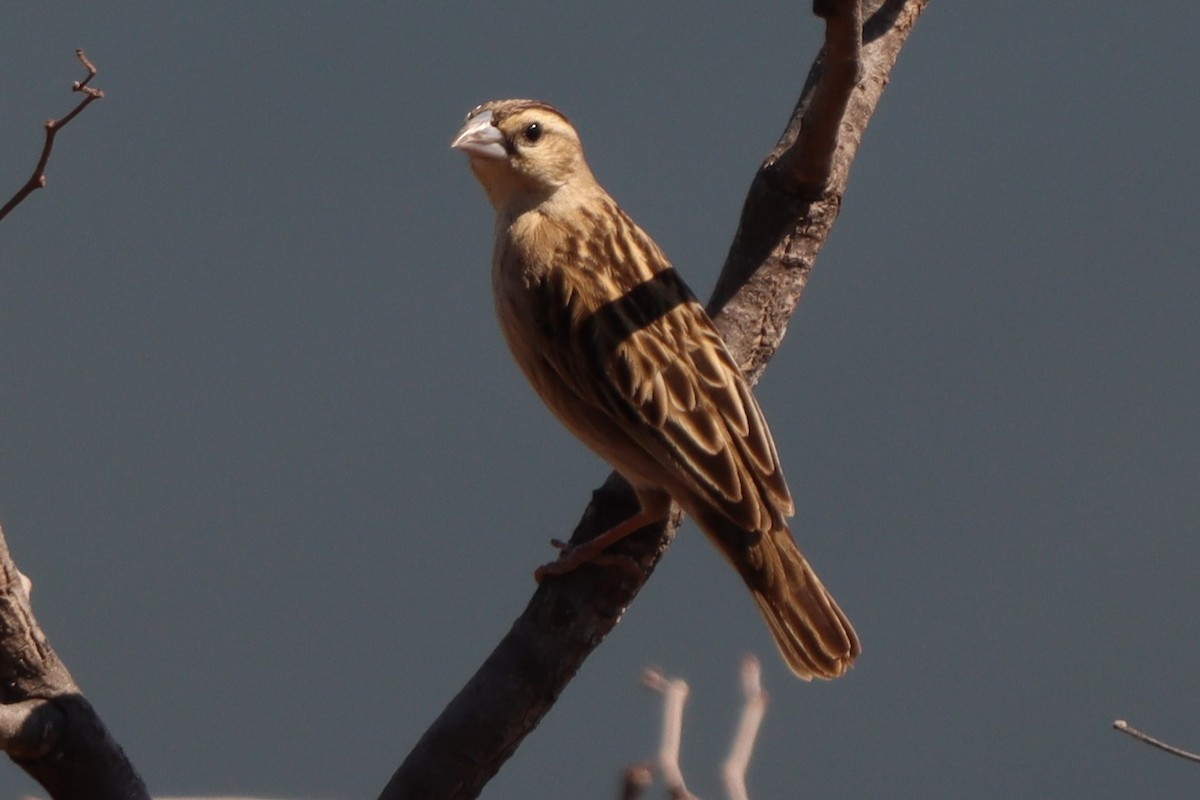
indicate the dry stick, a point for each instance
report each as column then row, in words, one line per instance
column 38, row 179
column 733, row 771
column 1125, row 727
column 675, row 693
column 780, row 232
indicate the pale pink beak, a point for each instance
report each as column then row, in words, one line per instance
column 479, row 138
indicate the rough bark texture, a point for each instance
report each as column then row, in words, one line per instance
column 49, row 729
column 790, row 209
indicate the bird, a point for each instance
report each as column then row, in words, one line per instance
column 623, row 354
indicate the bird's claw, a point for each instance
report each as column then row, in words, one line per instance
column 571, row 557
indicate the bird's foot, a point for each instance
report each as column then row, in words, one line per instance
column 572, row 557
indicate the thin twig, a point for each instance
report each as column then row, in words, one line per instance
column 733, row 771
column 1125, row 727
column 674, row 692
column 38, row 179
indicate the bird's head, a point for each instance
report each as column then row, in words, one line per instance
column 522, row 151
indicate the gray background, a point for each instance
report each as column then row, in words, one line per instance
column 281, row 489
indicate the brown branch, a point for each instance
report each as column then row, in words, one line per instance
column 1125, row 727
column 783, row 226
column 47, row 727
column 807, row 164
column 38, row 179
column 781, row 230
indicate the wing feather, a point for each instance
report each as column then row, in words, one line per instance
column 647, row 360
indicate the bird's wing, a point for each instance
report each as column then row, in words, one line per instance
column 653, row 363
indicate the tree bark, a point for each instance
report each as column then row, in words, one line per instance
column 47, row 726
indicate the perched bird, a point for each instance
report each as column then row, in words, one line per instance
column 623, row 354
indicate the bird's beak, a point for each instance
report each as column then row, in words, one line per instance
column 480, row 138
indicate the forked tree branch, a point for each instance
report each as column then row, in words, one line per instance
column 733, row 771
column 38, row 179
column 789, row 211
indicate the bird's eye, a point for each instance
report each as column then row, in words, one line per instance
column 532, row 132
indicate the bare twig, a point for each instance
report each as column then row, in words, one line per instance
column 38, row 179
column 674, row 692
column 780, row 232
column 733, row 771
column 1125, row 727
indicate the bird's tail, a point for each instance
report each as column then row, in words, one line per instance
column 814, row 636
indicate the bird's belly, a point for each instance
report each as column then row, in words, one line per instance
column 594, row 426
